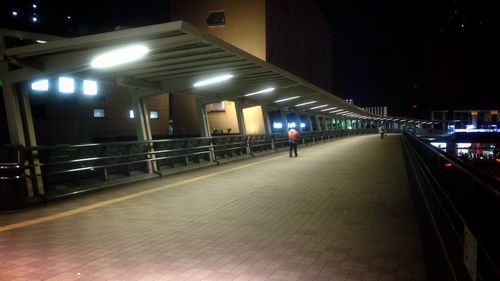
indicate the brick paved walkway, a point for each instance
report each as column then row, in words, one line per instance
column 340, row 211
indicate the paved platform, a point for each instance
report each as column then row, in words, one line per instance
column 340, row 211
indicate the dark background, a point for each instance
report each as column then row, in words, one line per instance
column 412, row 56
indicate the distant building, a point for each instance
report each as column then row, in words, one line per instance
column 452, row 120
column 376, row 110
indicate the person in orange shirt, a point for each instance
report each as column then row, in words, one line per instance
column 293, row 137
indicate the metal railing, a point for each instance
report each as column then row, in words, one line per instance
column 65, row 170
column 459, row 211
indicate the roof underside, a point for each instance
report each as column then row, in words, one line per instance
column 180, row 56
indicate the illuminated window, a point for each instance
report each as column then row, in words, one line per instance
column 40, row 85
column 131, row 114
column 66, row 85
column 153, row 115
column 99, row 113
column 277, row 125
column 292, row 125
column 89, row 87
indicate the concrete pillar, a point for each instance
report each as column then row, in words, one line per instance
column 318, row 123
column 30, row 140
column 202, row 117
column 142, row 125
column 298, row 122
column 309, row 120
column 240, row 118
column 267, row 120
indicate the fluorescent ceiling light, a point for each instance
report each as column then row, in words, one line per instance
column 292, row 98
column 260, row 92
column 213, row 80
column 305, row 103
column 41, row 41
column 66, row 85
column 40, row 85
column 119, row 56
column 319, row 106
column 90, row 87
column 338, row 110
column 331, row 108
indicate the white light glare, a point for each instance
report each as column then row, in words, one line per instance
column 119, row 56
column 306, row 103
column 41, row 41
column 319, row 106
column 40, row 85
column 213, row 80
column 260, row 92
column 131, row 114
column 15, row 13
column 292, row 125
column 331, row 108
column 66, row 85
column 34, row 19
column 302, row 125
column 292, row 98
column 277, row 125
column 90, row 87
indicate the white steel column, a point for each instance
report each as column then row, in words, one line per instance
column 267, row 120
column 30, row 139
column 240, row 118
column 141, row 118
column 202, row 117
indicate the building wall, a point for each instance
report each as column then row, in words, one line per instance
column 299, row 40
column 254, row 120
column 184, row 115
column 70, row 120
column 245, row 25
column 224, row 120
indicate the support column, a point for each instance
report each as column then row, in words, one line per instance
column 240, row 118
column 267, row 120
column 30, row 139
column 318, row 123
column 309, row 120
column 142, row 126
column 202, row 117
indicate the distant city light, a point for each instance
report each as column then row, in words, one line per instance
column 90, row 87
column 15, row 13
column 34, row 6
column 213, row 80
column 40, row 85
column 119, row 56
column 68, row 17
column 34, row 19
column 260, row 92
column 292, row 125
column 277, row 125
column 66, row 85
column 302, row 125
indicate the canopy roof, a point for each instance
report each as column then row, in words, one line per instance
column 180, row 55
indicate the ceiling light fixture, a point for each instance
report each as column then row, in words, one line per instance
column 213, row 80
column 260, row 92
column 306, row 103
column 119, row 56
column 286, row 99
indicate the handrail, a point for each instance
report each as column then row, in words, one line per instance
column 456, row 212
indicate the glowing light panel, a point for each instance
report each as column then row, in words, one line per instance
column 66, row 85
column 213, row 80
column 277, row 125
column 285, row 99
column 260, row 92
column 306, row 103
column 40, row 85
column 90, row 87
column 119, row 56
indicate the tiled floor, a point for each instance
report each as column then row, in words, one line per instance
column 340, row 211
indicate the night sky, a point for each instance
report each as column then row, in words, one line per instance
column 412, row 56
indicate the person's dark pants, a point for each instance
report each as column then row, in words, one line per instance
column 293, row 147
column 382, row 135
